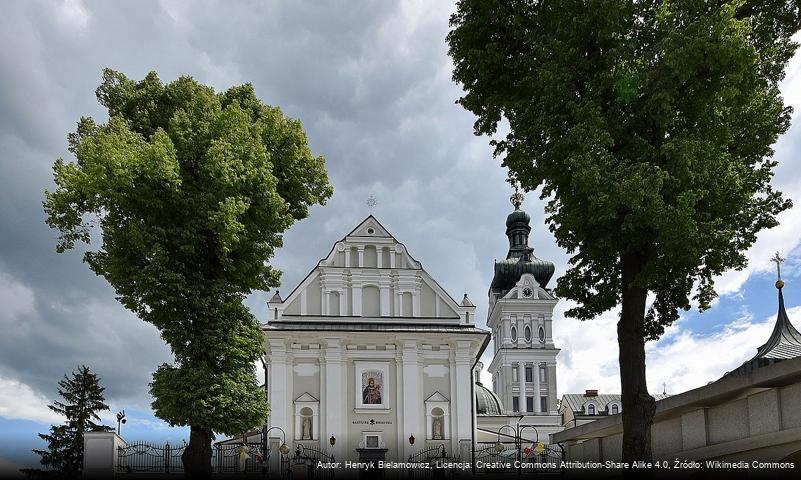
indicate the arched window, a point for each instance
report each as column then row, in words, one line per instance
column 528, row 333
column 614, row 409
column 590, row 409
column 514, row 334
column 371, row 302
column 541, row 334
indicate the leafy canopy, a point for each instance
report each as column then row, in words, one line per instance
column 191, row 190
column 648, row 124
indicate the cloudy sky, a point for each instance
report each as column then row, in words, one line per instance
column 371, row 83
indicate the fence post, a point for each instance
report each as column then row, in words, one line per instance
column 167, row 455
column 101, row 454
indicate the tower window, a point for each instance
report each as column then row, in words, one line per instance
column 515, row 404
column 528, row 333
column 543, row 404
column 529, row 404
column 514, row 334
column 543, row 377
column 542, row 334
column 514, row 374
column 529, row 374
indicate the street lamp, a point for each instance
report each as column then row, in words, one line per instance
column 411, row 439
column 120, row 420
column 332, row 440
column 284, row 449
column 499, row 447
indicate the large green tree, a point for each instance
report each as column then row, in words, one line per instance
column 189, row 191
column 648, row 125
column 81, row 400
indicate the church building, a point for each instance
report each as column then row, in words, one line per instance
column 370, row 358
column 371, row 354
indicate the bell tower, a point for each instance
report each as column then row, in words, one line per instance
column 521, row 307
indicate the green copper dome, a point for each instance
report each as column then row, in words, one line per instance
column 487, row 403
column 520, row 259
column 517, row 216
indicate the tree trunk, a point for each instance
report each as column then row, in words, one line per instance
column 197, row 454
column 638, row 405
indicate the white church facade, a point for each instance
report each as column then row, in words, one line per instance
column 370, row 358
column 370, row 350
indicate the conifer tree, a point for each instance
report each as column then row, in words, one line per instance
column 81, row 400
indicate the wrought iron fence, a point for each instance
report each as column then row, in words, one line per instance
column 431, row 455
column 520, row 455
column 239, row 457
column 146, row 457
column 310, row 455
column 428, row 454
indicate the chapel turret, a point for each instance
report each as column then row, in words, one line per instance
column 520, row 258
column 523, row 367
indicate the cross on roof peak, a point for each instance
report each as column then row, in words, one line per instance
column 371, row 202
column 778, row 260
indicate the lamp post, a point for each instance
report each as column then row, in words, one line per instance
column 284, row 449
column 120, row 421
column 520, row 436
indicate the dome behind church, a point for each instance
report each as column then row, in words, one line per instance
column 487, row 403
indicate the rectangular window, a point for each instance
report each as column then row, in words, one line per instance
column 543, row 377
column 514, row 373
column 371, row 441
column 529, row 374
column 529, row 404
column 543, row 404
column 515, row 404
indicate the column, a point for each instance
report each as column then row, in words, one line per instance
column 391, row 257
column 416, row 303
column 326, row 302
column 521, row 378
column 464, row 379
column 507, row 387
column 453, row 383
column 537, row 394
column 550, row 376
column 277, row 389
column 361, row 255
column 547, row 325
column 347, row 256
column 412, row 398
column 399, row 303
column 379, row 256
column 335, row 396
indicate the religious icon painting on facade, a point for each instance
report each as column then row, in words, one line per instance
column 371, row 385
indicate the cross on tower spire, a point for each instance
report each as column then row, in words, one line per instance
column 371, row 202
column 517, row 197
column 778, row 261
